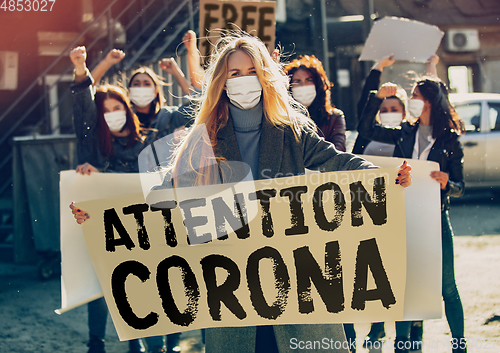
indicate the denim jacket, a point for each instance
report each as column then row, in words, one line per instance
column 124, row 159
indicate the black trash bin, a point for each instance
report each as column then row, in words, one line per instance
column 37, row 163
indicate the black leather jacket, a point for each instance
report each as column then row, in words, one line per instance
column 447, row 150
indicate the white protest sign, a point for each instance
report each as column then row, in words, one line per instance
column 423, row 231
column 254, row 17
column 317, row 248
column 79, row 283
column 407, row 39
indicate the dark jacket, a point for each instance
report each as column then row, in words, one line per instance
column 85, row 120
column 372, row 83
column 446, row 150
column 168, row 118
column 281, row 155
column 124, row 158
column 333, row 129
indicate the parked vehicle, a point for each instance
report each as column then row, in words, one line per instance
column 481, row 115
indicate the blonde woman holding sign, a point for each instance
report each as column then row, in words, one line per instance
column 250, row 117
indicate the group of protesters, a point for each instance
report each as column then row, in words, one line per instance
column 252, row 99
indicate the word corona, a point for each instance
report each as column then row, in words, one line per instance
column 329, row 286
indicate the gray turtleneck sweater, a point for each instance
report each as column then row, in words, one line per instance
column 247, row 128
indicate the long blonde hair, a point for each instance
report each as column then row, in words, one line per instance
column 279, row 109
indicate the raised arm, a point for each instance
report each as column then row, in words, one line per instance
column 196, row 72
column 432, row 66
column 112, row 58
column 372, row 82
column 170, row 66
column 383, row 63
column 78, row 57
column 367, row 126
column 84, row 109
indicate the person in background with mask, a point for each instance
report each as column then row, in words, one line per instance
column 435, row 137
column 310, row 86
column 372, row 83
column 110, row 138
column 146, row 93
column 393, row 105
column 391, row 114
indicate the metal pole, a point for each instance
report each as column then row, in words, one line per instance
column 337, row 65
column 110, row 29
column 368, row 10
column 47, row 107
column 191, row 15
column 326, row 56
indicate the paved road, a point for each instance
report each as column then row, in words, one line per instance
column 476, row 213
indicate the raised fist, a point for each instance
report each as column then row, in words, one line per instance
column 78, row 56
column 115, row 56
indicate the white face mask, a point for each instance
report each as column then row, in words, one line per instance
column 116, row 120
column 304, row 94
column 391, row 119
column 415, row 107
column 244, row 92
column 142, row 96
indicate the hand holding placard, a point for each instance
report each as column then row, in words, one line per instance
column 407, row 39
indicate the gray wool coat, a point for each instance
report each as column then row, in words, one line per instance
column 281, row 155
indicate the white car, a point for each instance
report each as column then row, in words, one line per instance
column 481, row 141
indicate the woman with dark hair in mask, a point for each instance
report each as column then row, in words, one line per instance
column 108, row 131
column 372, row 83
column 310, row 86
column 435, row 137
column 110, row 139
column 146, row 93
column 392, row 113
